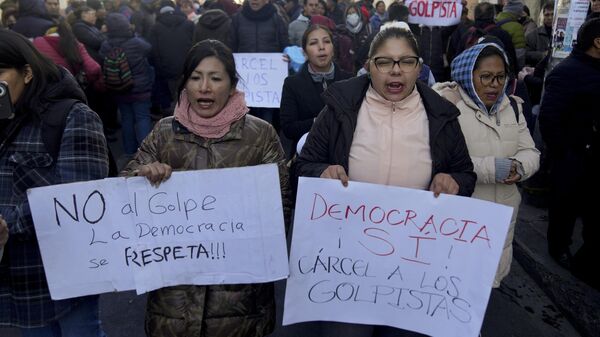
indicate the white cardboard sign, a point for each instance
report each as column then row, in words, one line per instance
column 384, row 255
column 434, row 12
column 261, row 78
column 221, row 226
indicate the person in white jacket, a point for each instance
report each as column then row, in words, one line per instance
column 495, row 130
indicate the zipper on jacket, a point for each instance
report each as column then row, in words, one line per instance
column 497, row 118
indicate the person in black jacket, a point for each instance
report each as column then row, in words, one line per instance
column 387, row 128
column 570, row 123
column 301, row 99
column 32, row 20
column 86, row 32
column 257, row 28
column 171, row 38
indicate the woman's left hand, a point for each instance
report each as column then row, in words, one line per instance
column 3, row 232
column 513, row 176
column 443, row 183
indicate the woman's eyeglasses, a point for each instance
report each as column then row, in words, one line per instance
column 488, row 79
column 406, row 64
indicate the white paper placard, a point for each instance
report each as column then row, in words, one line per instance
column 261, row 78
column 393, row 256
column 434, row 12
column 203, row 227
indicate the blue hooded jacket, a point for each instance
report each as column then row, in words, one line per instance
column 462, row 73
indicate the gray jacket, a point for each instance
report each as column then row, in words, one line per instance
column 538, row 43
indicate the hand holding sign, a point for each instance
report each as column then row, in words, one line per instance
column 155, row 172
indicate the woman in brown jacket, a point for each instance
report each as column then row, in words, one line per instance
column 210, row 129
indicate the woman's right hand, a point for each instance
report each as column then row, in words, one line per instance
column 336, row 172
column 155, row 172
column 3, row 232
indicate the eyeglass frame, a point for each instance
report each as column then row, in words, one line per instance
column 494, row 78
column 419, row 61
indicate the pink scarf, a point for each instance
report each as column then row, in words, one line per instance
column 213, row 127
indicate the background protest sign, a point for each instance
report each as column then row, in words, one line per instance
column 220, row 226
column 569, row 15
column 434, row 12
column 261, row 78
column 393, row 256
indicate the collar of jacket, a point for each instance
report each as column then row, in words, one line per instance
column 585, row 58
column 183, row 134
column 263, row 14
column 346, row 97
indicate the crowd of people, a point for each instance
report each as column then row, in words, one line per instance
column 451, row 110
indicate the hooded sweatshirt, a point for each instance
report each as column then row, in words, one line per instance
column 213, row 24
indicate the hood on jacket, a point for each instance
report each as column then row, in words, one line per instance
column 65, row 88
column 463, row 66
column 32, row 8
column 213, row 19
column 171, row 19
column 118, row 25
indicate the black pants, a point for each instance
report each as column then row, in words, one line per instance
column 574, row 194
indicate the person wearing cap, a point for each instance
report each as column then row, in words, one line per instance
column 508, row 20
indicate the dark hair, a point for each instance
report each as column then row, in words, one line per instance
column 355, row 6
column 67, row 45
column 16, row 52
column 202, row 50
column 83, row 9
column 548, row 6
column 397, row 12
column 485, row 11
column 311, row 29
column 589, row 31
column 324, row 4
column 491, row 51
column 379, row 2
column 526, row 10
column 393, row 33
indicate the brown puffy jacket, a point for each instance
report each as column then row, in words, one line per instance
column 245, row 310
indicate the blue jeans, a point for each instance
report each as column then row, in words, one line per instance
column 135, row 124
column 82, row 321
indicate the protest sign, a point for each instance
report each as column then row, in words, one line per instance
column 569, row 15
column 203, row 227
column 434, row 12
column 384, row 255
column 261, row 78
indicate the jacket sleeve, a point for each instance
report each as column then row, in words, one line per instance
column 527, row 154
column 233, row 34
column 485, row 169
column 83, row 156
column 461, row 166
column 92, row 68
column 532, row 53
column 147, row 153
column 88, row 38
column 282, row 34
column 555, row 102
column 314, row 157
column 273, row 153
column 292, row 126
